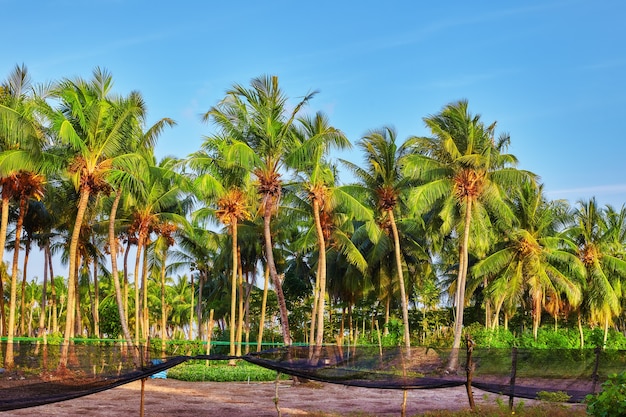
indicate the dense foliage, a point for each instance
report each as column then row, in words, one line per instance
column 254, row 238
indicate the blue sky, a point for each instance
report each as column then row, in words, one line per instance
column 551, row 73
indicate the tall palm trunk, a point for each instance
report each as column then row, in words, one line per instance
column 145, row 322
column 96, row 300
column 314, row 307
column 71, row 281
column 403, row 299
column 137, row 277
column 9, row 358
column 266, row 284
column 240, row 303
column 53, row 290
column 282, row 306
column 163, row 305
column 319, row 340
column 536, row 313
column 115, row 275
column 233, row 290
column 453, row 362
column 44, row 290
column 4, row 225
column 201, row 282
column 27, row 246
column 191, row 310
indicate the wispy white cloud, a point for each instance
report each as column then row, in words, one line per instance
column 586, row 192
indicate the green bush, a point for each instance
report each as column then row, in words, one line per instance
column 611, row 401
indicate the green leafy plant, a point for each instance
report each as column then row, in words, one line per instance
column 553, row 396
column 611, row 401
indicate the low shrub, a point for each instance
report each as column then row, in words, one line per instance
column 611, row 401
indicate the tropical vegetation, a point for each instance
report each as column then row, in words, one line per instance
column 262, row 236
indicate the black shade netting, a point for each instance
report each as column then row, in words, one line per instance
column 37, row 376
column 527, row 373
column 365, row 366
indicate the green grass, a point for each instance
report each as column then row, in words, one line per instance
column 220, row 371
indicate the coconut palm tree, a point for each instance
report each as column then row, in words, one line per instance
column 533, row 257
column 595, row 235
column 162, row 202
column 464, row 173
column 21, row 163
column 318, row 183
column 261, row 128
column 383, row 178
column 143, row 143
column 224, row 188
column 92, row 124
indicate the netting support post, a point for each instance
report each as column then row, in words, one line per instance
column 469, row 365
column 276, row 394
column 594, row 375
column 513, row 375
column 143, row 384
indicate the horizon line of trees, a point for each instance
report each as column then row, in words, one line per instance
column 447, row 214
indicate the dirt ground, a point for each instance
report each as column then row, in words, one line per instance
column 169, row 397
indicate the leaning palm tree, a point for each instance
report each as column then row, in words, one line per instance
column 463, row 174
column 261, row 128
column 141, row 142
column 533, row 257
column 91, row 123
column 383, row 178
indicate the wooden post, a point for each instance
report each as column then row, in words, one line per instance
column 468, row 370
column 513, row 375
column 143, row 383
column 594, row 376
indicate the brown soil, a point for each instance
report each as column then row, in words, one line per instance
column 168, row 397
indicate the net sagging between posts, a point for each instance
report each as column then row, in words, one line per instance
column 37, row 379
column 523, row 373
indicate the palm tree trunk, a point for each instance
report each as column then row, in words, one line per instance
column 96, row 300
column 4, row 225
column 314, row 307
column 403, row 299
column 163, row 305
column 191, row 310
column 233, row 290
column 137, row 278
column 201, row 282
column 266, row 285
column 240, row 302
column 9, row 358
column 453, row 362
column 319, row 340
column 53, row 291
column 125, row 289
column 269, row 254
column 580, row 330
column 144, row 292
column 24, row 278
column 44, row 290
column 71, row 281
column 536, row 314
column 121, row 308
